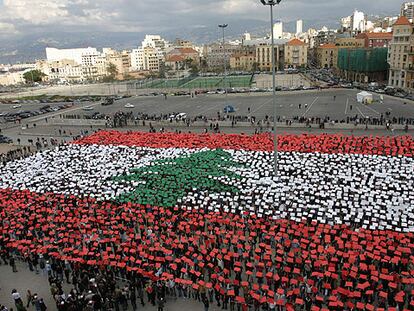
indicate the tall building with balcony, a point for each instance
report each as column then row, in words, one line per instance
column 400, row 55
column 296, row 54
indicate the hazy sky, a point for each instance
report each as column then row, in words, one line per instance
column 26, row 16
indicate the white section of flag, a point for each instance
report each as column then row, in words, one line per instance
column 373, row 192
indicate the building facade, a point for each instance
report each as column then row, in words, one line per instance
column 243, row 61
column 399, row 56
column 375, row 39
column 264, row 57
column 407, row 10
column 363, row 65
column 77, row 55
column 327, row 56
column 296, row 54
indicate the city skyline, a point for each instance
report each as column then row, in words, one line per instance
column 23, row 17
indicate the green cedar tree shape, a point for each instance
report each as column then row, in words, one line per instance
column 166, row 181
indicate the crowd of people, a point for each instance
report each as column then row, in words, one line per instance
column 122, row 119
column 15, row 154
column 117, row 255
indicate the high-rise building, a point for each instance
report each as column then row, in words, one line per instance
column 299, row 26
column 407, row 10
column 358, row 21
column 278, row 30
column 401, row 73
column 400, row 57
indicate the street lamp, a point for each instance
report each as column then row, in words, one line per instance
column 271, row 4
column 223, row 27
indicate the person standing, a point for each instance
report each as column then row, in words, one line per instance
column 133, row 298
column 161, row 304
column 29, row 298
column 18, row 302
column 12, row 262
column 206, row 303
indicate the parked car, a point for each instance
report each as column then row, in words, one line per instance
column 5, row 140
column 87, row 108
column 229, row 109
column 181, row 116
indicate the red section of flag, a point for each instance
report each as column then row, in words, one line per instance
column 88, row 232
column 401, row 145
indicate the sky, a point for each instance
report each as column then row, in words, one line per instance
column 29, row 16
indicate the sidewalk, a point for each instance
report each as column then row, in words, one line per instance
column 24, row 279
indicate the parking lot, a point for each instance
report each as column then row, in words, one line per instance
column 337, row 104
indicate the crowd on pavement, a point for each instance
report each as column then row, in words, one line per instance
column 116, row 256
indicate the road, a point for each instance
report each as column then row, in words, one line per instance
column 289, row 104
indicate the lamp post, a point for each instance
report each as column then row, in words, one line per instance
column 223, row 27
column 271, row 4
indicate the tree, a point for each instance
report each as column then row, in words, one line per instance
column 165, row 182
column 194, row 70
column 255, row 67
column 112, row 70
column 33, row 76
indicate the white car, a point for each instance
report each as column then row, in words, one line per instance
column 181, row 116
column 87, row 108
column 17, row 106
column 129, row 106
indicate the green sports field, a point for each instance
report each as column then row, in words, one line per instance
column 199, row 83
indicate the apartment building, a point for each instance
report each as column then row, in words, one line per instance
column 296, row 54
column 400, row 55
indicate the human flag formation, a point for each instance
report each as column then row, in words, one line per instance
column 206, row 211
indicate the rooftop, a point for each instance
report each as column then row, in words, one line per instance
column 402, row 21
column 296, row 42
column 328, row 46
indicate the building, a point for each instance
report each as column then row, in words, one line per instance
column 151, row 59
column 182, row 58
column 296, row 54
column 346, row 23
column 77, row 55
column 299, row 27
column 375, row 39
column 400, row 54
column 122, row 62
column 407, row 10
column 325, row 36
column 182, row 43
column 137, row 59
column 216, row 57
column 358, row 21
column 264, row 56
column 158, row 43
column 62, row 70
column 363, row 65
column 344, row 42
column 327, row 56
column 9, row 78
column 244, row 60
column 278, row 30
column 145, row 59
column 246, row 37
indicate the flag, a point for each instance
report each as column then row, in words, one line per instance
column 231, row 173
column 340, row 208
